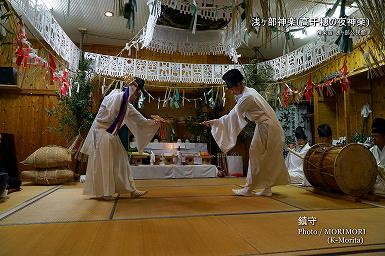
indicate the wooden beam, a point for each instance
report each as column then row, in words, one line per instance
column 347, row 116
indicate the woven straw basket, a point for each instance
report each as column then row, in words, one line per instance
column 53, row 176
column 49, row 156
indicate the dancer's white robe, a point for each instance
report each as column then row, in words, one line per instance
column 266, row 163
column 379, row 155
column 294, row 165
column 108, row 169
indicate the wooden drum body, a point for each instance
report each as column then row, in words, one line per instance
column 351, row 169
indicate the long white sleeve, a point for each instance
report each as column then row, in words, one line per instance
column 379, row 155
column 142, row 128
column 226, row 129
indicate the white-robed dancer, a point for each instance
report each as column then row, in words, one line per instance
column 108, row 170
column 266, row 163
column 294, row 162
column 378, row 151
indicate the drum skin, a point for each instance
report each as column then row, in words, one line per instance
column 351, row 169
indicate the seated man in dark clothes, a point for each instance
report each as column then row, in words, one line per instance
column 325, row 134
column 3, row 179
column 8, row 163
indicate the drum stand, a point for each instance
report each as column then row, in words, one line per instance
column 340, row 195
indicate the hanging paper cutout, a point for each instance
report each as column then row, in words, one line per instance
column 212, row 99
column 141, row 101
column 165, row 98
column 223, row 96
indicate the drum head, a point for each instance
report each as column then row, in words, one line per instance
column 311, row 168
column 355, row 170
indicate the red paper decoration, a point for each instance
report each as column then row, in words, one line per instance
column 309, row 89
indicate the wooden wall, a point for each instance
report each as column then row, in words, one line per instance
column 343, row 111
column 23, row 109
column 23, row 114
column 378, row 97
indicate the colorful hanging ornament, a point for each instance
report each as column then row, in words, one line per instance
column 25, row 54
column 65, row 81
column 344, row 77
column 326, row 85
column 285, row 96
column 162, row 132
column 309, row 89
column 22, row 53
column 64, row 78
column 194, row 14
column 176, row 98
column 129, row 13
column 344, row 41
column 52, row 68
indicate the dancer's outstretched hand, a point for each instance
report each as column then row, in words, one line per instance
column 159, row 120
column 208, row 123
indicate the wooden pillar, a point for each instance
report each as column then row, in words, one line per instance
column 82, row 31
column 347, row 116
column 316, row 115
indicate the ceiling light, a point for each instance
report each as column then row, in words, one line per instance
column 109, row 14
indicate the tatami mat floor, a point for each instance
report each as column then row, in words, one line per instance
column 28, row 192
column 186, row 217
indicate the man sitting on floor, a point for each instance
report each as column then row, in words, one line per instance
column 294, row 162
column 325, row 134
column 378, row 151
